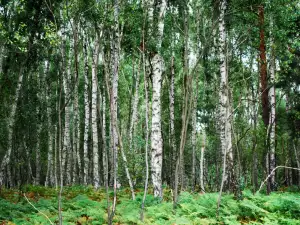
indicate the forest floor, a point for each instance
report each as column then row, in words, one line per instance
column 83, row 205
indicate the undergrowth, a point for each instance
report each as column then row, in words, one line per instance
column 83, row 205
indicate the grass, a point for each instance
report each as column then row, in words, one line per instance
column 83, row 205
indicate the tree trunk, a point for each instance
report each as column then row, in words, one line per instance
column 66, row 152
column 263, row 67
column 225, row 109
column 76, row 128
column 11, row 122
column 147, row 132
column 96, row 178
column 156, row 135
column 50, row 155
column 87, row 116
column 202, row 161
column 115, row 50
column 172, row 117
column 194, row 136
column 134, row 109
column 272, row 116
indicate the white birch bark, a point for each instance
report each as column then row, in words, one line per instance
column 115, row 50
column 86, row 116
column 56, row 149
column 104, row 147
column 225, row 127
column 67, row 151
column 76, row 127
column 115, row 80
column 202, row 161
column 50, row 155
column 172, row 115
column 96, row 179
column 11, row 122
column 224, row 108
column 156, row 135
column 150, row 13
column 272, row 116
column 156, row 132
column 147, row 133
column 161, row 24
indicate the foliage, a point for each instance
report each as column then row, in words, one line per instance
column 83, row 205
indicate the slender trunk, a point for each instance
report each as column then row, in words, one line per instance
column 194, row 137
column 263, row 67
column 60, row 153
column 114, row 102
column 87, row 116
column 66, row 136
column 172, row 116
column 225, row 109
column 126, row 164
column 11, row 122
column 38, row 150
column 186, row 108
column 76, row 127
column 94, row 115
column 147, row 133
column 134, row 108
column 202, row 161
column 67, row 152
column 50, row 158
column 272, row 116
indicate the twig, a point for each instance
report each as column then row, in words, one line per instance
column 286, row 167
column 38, row 210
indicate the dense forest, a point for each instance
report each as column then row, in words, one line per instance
column 149, row 103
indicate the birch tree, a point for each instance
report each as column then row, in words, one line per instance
column 272, row 116
column 11, row 122
column 50, row 153
column 96, row 178
column 157, row 63
column 224, row 108
column 86, row 115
